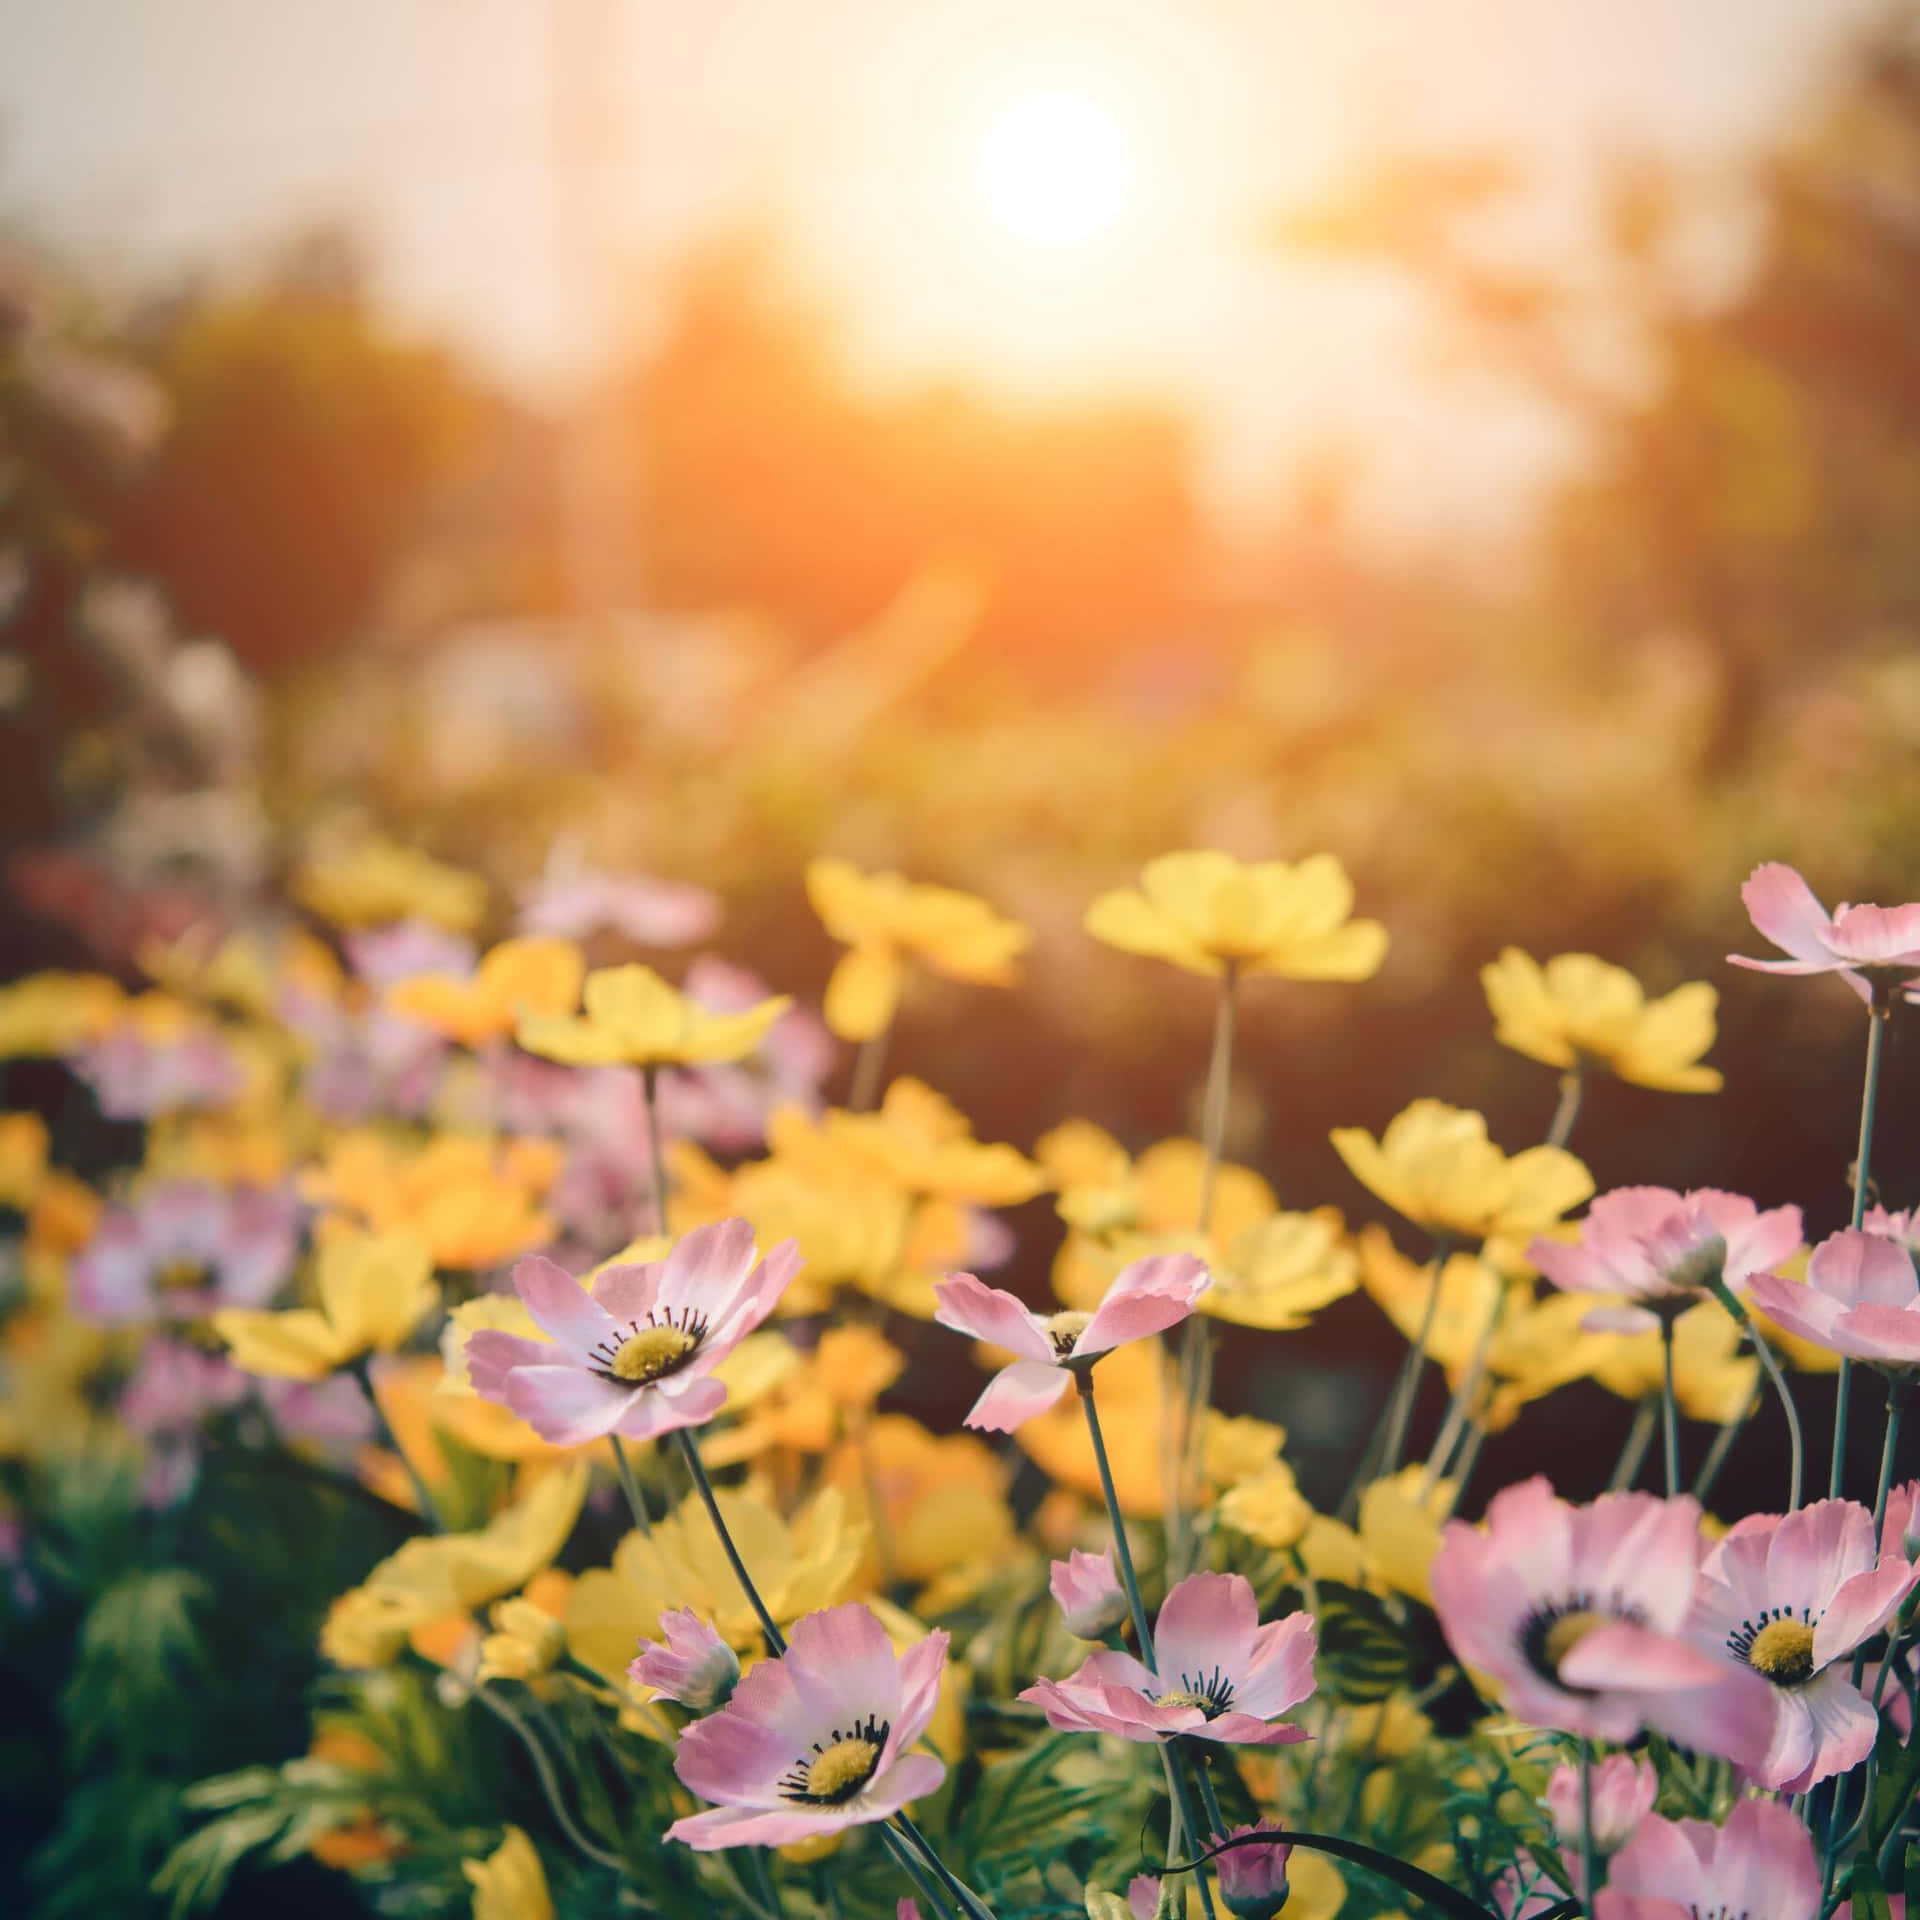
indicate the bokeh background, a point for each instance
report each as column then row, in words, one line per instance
column 1476, row 438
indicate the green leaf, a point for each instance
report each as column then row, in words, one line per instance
column 1414, row 1880
column 1870, row 1900
column 1364, row 1654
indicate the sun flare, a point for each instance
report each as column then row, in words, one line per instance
column 1054, row 168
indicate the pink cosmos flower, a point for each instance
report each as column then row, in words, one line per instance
column 1624, row 1789
column 1253, row 1879
column 1790, row 1596
column 135, row 1076
column 1854, row 942
column 636, row 1355
column 574, row 902
column 1221, row 1674
column 694, row 1666
column 176, row 1386
column 384, row 956
column 817, row 1740
column 183, row 1249
column 1903, row 1225
column 1148, row 1297
column 1087, row 1591
column 1760, row 1863
column 1861, row 1299
column 1661, row 1248
column 1578, row 1612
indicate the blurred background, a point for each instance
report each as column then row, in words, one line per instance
column 1478, row 439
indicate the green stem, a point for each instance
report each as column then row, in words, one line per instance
column 1455, row 1422
column 868, row 1066
column 1878, row 1015
column 697, row 1472
column 429, row 1508
column 1213, row 1114
column 549, row 1785
column 1796, row 1472
column 1398, row 1412
column 650, row 1086
column 1669, row 1408
column 1896, row 1406
column 629, row 1485
column 1572, row 1085
column 969, row 1902
column 1633, row 1450
column 1216, row 1820
column 1717, row 1453
column 1460, row 1471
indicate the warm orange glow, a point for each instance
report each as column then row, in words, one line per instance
column 1054, row 168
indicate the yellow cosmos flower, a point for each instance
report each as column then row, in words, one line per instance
column 510, row 1883
column 799, row 1568
column 1435, row 1165
column 634, row 1018
column 1268, row 1507
column 1400, row 1522
column 1207, row 911
column 374, row 1290
column 1714, row 1376
column 1330, row 1550
column 23, row 1159
column 437, row 1575
column 885, row 921
column 52, row 1013
column 1233, row 1447
column 529, row 1633
column 373, row 881
column 515, row 981
column 923, row 1142
column 1280, row 1271
column 1578, row 1008
column 255, row 1148
column 238, row 972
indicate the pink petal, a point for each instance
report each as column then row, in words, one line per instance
column 1862, row 1269
column 1016, row 1393
column 1862, row 1607
column 968, row 1305
column 1878, row 936
column 1883, row 1336
column 1764, row 1862
column 688, row 1401
column 630, row 1291
column 843, row 1667
column 755, row 1301
column 707, row 1267
column 492, row 1355
column 722, row 1827
column 1281, row 1674
column 568, row 1405
column 1733, row 1716
column 1150, row 1296
column 1206, row 1622
column 1799, row 1309
column 735, row 1758
column 1838, row 1730
column 921, row 1668
column 563, row 1307
column 1782, row 906
column 1636, row 1659
column 1233, row 1729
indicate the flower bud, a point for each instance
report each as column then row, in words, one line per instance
column 1087, row 1592
column 1253, row 1878
column 1623, row 1795
column 694, row 1666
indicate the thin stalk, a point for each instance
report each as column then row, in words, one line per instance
column 929, row 1889
column 1455, row 1423
column 1796, row 1472
column 869, row 1064
column 696, row 1469
column 1213, row 1113
column 1669, row 1408
column 629, row 1485
column 1589, row 1853
column 1461, row 1469
column 969, row 1902
column 1878, row 1016
column 1216, row 1820
column 549, row 1785
column 1572, row 1085
column 1633, row 1450
column 1398, row 1412
column 423, row 1499
column 1896, row 1406
column 650, row 1087
column 1703, row 1482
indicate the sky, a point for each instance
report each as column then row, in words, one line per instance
column 501, row 156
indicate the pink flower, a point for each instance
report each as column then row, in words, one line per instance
column 1253, row 1879
column 695, row 1666
column 384, row 956
column 636, row 1355
column 135, row 1076
column 175, row 1386
column 1854, row 942
column 1087, row 1592
column 183, row 1249
column 1578, row 1612
column 574, row 902
column 1662, row 1248
column 815, row 1741
column 1148, row 1297
column 1760, row 1863
column 1861, row 1299
column 1900, row 1526
column 1903, row 1226
column 1221, row 1674
column 1624, row 1789
column 1790, row 1597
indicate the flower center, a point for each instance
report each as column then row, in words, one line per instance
column 1550, row 1633
column 1566, row 1633
column 178, row 1275
column 1063, row 1329
column 649, row 1350
column 1208, row 1693
column 1783, row 1651
column 838, row 1766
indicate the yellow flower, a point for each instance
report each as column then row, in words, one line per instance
column 52, row 1013
column 1578, row 1008
column 236, row 972
column 1714, row 1378
column 517, row 980
column 23, row 1159
column 1234, row 1447
column 886, row 920
column 1469, row 1289
column 1281, row 1270
column 435, row 1575
column 856, row 1365
column 798, row 1568
column 1435, row 1165
column 510, row 1883
column 374, row 881
column 529, row 1634
column 1316, row 1889
column 374, row 1289
column 1330, row 1550
column 634, row 1018
column 1269, row 1507
column 923, row 1142
column 1400, row 1522
column 1205, row 911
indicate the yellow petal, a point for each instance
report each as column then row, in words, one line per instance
column 1124, row 919
column 863, row 992
column 298, row 1345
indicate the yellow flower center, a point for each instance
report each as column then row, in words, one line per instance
column 650, row 1353
column 1566, row 1633
column 1182, row 1697
column 841, row 1770
column 1063, row 1329
column 178, row 1275
column 1783, row 1651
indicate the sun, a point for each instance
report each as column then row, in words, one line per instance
column 1054, row 168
